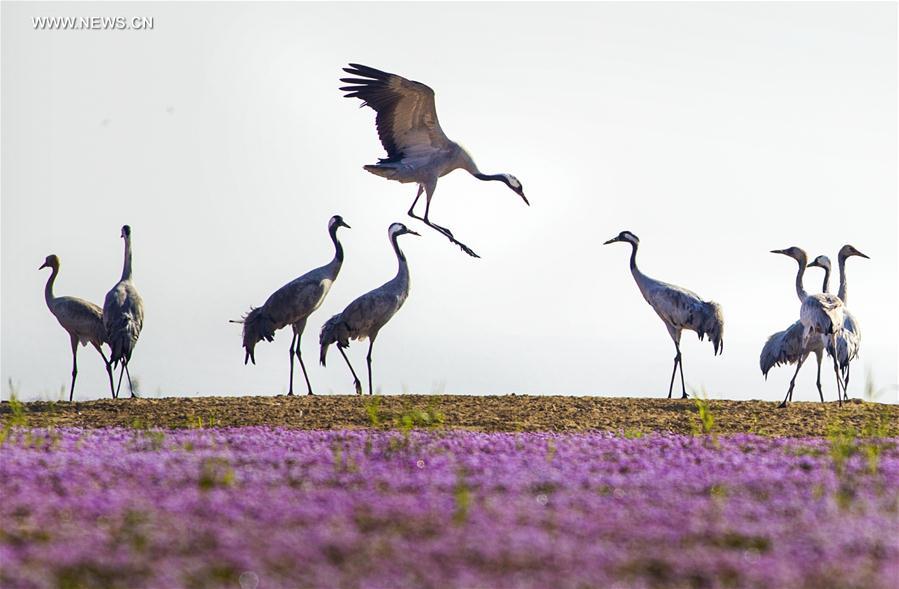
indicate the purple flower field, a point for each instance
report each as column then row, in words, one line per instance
column 266, row 508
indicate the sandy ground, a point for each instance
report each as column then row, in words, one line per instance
column 489, row 413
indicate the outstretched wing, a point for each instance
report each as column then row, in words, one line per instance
column 407, row 117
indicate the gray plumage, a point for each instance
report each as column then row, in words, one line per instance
column 790, row 346
column 821, row 314
column 849, row 338
column 678, row 308
column 292, row 304
column 81, row 319
column 123, row 316
column 365, row 316
column 417, row 149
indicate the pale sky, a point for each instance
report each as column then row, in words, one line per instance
column 714, row 131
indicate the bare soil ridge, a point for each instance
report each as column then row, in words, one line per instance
column 509, row 413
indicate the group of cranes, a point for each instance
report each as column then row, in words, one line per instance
column 825, row 324
column 419, row 152
column 118, row 324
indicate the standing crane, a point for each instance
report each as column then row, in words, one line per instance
column 678, row 308
column 82, row 320
column 850, row 337
column 123, row 316
column 365, row 316
column 292, row 304
column 417, row 149
column 789, row 347
column 821, row 314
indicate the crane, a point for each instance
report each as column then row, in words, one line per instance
column 292, row 304
column 82, row 320
column 365, row 316
column 678, row 308
column 849, row 338
column 123, row 316
column 789, row 346
column 417, row 149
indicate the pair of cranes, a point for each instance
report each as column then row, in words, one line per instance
column 293, row 303
column 117, row 324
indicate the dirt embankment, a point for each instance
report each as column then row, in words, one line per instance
column 488, row 413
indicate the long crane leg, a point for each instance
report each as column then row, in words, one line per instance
column 789, row 396
column 74, row 366
column 300, row 358
column 846, row 383
column 371, row 343
column 108, row 370
column 818, row 356
column 674, row 372
column 130, row 386
column 442, row 230
column 293, row 342
column 836, row 372
column 121, row 374
column 356, row 381
column 680, row 362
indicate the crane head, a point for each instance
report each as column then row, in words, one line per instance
column 397, row 229
column 516, row 186
column 794, row 252
column 848, row 250
column 51, row 261
column 337, row 222
column 820, row 262
column 126, row 231
column 624, row 236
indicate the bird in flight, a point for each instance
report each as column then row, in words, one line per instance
column 417, row 149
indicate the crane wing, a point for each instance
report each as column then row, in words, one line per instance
column 370, row 312
column 407, row 116
column 675, row 305
column 295, row 300
column 80, row 316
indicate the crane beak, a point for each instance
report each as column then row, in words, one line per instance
column 42, row 266
column 524, row 198
column 777, row 251
column 858, row 253
column 613, row 240
column 413, row 232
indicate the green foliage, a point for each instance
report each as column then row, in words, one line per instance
column 197, row 422
column 373, row 410
column 215, row 472
column 462, row 497
column 17, row 417
column 550, row 449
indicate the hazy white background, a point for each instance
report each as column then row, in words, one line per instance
column 715, row 132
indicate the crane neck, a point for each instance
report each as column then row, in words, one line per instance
column 633, row 263
column 403, row 267
column 800, row 291
column 126, row 265
column 48, row 289
column 481, row 176
column 826, row 286
column 641, row 279
column 338, row 248
column 843, row 285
